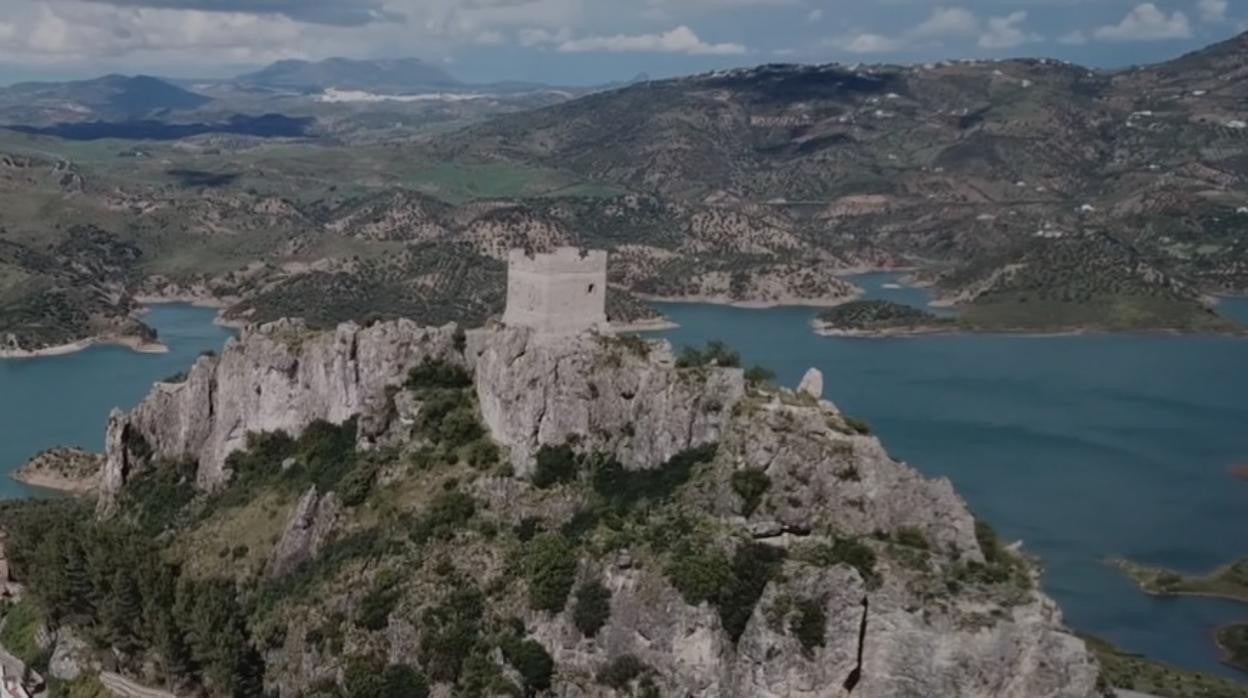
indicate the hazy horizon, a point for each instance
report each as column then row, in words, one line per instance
column 586, row 42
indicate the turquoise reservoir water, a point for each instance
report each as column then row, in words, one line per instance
column 1083, row 447
column 65, row 400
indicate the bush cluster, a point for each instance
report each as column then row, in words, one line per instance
column 550, row 570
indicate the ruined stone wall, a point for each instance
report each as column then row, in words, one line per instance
column 561, row 292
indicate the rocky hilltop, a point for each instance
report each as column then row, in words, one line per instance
column 495, row 512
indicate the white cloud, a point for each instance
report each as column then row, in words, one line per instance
column 1213, row 11
column 1005, row 32
column 1073, row 38
column 943, row 25
column 489, row 38
column 67, row 32
column 682, row 39
column 947, row 23
column 537, row 36
column 816, row 15
column 1145, row 22
column 868, row 43
column 671, row 10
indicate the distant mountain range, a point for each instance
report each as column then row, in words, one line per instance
column 399, row 75
column 112, row 97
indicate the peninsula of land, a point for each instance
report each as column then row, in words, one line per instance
column 64, row 469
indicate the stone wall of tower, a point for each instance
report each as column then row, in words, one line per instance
column 559, row 292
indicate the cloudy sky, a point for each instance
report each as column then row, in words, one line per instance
column 588, row 41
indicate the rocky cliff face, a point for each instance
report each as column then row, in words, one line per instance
column 532, row 391
column 879, row 581
column 277, row 377
column 612, row 395
column 920, row 638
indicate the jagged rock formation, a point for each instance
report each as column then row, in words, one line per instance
column 600, row 390
column 946, row 610
column 276, row 377
column 309, row 528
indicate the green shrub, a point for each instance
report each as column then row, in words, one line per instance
column 750, row 485
column 450, row 419
column 482, row 677
column 447, row 512
column 327, row 452
column 705, row 574
column 368, row 678
column 622, row 671
column 550, row 570
column 450, row 633
column 20, row 625
column 483, row 454
column 758, row 375
column 988, row 541
column 716, row 353
column 911, row 537
column 357, row 484
column 555, row 465
column 625, row 488
column 592, row 609
column 844, row 551
column 376, row 606
column 439, row 375
column 531, row 661
column 156, row 496
column 582, row 523
column 857, row 426
column 809, row 624
column 699, row 573
column 528, row 527
column 753, row 566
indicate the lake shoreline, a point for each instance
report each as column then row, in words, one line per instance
column 652, row 325
column 141, row 345
column 783, row 302
column 65, row 469
column 824, row 329
column 1224, row 651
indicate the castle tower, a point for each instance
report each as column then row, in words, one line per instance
column 559, row 292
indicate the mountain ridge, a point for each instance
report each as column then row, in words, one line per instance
column 401, row 74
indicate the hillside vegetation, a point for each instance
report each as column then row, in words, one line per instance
column 1037, row 195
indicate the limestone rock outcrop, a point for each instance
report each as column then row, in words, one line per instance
column 308, row 530
column 611, row 395
column 812, row 384
column 278, row 376
column 941, row 621
column 1024, row 655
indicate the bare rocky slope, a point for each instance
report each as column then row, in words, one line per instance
column 739, row 539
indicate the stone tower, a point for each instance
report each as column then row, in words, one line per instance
column 558, row 292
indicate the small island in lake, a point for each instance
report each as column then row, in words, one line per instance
column 876, row 318
column 1226, row 582
column 65, row 469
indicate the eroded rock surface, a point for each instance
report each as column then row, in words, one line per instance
column 947, row 614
